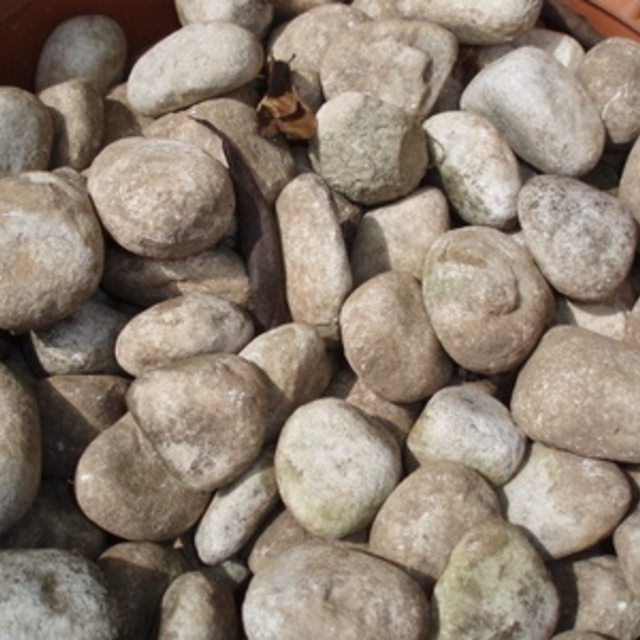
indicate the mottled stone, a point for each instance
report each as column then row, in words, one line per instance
column 254, row 15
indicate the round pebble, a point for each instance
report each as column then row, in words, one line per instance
column 26, row 132
column 254, row 15
column 427, row 514
column 205, row 416
column 184, row 326
column 582, row 239
column 165, row 78
column 161, row 198
column 323, row 592
column 92, row 47
column 466, row 425
column 487, row 302
column 335, row 467
column 388, row 339
column 51, row 251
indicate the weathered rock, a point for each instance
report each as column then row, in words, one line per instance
column 51, row 250
column 92, row 47
column 122, row 486
column 49, row 593
column 495, row 585
column 254, row 15
column 388, row 339
column 196, row 607
column 20, row 449
column 294, row 358
column 236, row 512
column 323, row 592
column 26, row 132
column 565, row 502
column 179, row 328
column 626, row 541
column 335, row 467
column 582, row 239
column 205, row 416
column 541, row 109
column 120, row 120
column 367, row 149
column 487, row 302
column 466, row 425
column 479, row 171
column 161, row 198
column 577, row 393
column 424, row 518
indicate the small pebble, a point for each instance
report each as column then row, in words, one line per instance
column 254, row 15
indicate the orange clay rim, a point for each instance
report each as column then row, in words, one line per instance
column 610, row 17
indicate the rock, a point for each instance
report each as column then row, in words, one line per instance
column 145, row 281
column 397, row 237
column 77, row 112
column 578, row 635
column 318, row 275
column 487, row 302
column 368, row 150
column 305, row 39
column 291, row 8
column 205, row 416
column 254, row 15
column 479, row 171
column 20, row 449
column 495, row 585
column 138, row 574
column 270, row 161
column 626, row 541
column 55, row 522
column 120, row 120
column 397, row 418
column 583, row 240
column 165, row 78
column 424, row 518
column 26, row 132
column 492, row 23
column 324, row 592
column 541, row 109
column 189, row 325
column 609, row 72
column 161, row 198
column 74, row 410
column 335, row 467
column 195, row 607
column 82, row 343
column 122, row 486
column 596, row 598
column 577, row 393
column 468, row 426
column 294, row 358
column 388, row 339
column 403, row 63
column 49, row 593
column 236, row 511
column 92, row 47
column 233, row 574
column 51, row 251
column 565, row 502
column 629, row 188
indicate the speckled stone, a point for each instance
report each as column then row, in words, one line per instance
column 254, row 15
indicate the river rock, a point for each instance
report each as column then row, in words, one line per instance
column 51, row 250
column 565, row 502
column 254, row 15
column 466, row 425
column 487, row 302
column 165, row 78
column 629, row 188
column 295, row 360
column 626, row 541
column 427, row 514
column 561, row 397
column 479, row 171
column 50, row 593
column 583, row 240
column 323, row 592
column 541, row 109
column 495, row 585
column 205, row 416
column 389, row 341
column 184, row 326
column 335, row 467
